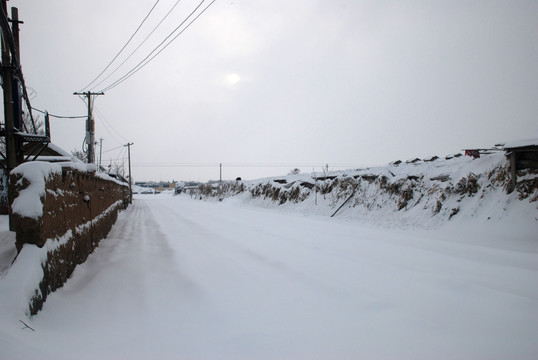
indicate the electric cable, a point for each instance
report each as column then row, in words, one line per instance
column 124, row 46
column 106, row 122
column 145, row 61
column 138, row 47
column 140, row 64
column 60, row 116
column 113, row 149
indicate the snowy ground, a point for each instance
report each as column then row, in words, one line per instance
column 184, row 279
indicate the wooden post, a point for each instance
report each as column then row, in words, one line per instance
column 130, row 178
column 513, row 171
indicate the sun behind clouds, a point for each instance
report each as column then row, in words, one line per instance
column 232, row 78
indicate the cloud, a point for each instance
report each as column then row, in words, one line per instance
column 302, row 81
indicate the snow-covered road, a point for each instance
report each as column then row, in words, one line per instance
column 185, row 279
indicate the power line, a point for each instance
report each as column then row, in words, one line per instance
column 138, row 47
column 145, row 61
column 119, row 155
column 113, row 149
column 124, row 46
column 106, row 122
column 60, row 116
column 141, row 64
column 117, row 161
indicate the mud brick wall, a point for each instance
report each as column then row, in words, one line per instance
column 79, row 209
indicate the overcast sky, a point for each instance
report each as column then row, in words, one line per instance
column 266, row 86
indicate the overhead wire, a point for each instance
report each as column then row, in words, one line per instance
column 109, row 131
column 149, row 57
column 107, row 123
column 138, row 66
column 113, row 149
column 115, row 158
column 124, row 46
column 138, row 47
column 121, row 153
column 60, row 116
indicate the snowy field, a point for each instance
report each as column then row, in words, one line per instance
column 186, row 279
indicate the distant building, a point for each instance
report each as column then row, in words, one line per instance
column 157, row 186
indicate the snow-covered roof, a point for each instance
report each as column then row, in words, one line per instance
column 52, row 153
column 60, row 151
column 530, row 140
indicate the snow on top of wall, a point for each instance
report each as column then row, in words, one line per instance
column 80, row 166
column 28, row 202
column 454, row 167
column 106, row 176
column 434, row 198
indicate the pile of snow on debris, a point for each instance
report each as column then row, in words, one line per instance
column 421, row 193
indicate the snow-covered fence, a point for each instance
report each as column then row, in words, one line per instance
column 65, row 211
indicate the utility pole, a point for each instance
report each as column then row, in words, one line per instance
column 100, row 152
column 16, row 83
column 90, row 126
column 130, row 179
column 220, row 166
column 47, row 125
column 7, row 84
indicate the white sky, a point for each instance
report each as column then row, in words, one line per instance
column 296, row 83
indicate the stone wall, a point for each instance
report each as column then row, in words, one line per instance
column 79, row 209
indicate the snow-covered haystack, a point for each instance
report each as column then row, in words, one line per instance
column 417, row 193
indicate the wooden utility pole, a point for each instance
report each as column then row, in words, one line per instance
column 16, row 85
column 7, row 84
column 47, row 126
column 130, row 179
column 90, row 126
column 100, row 152
column 15, row 29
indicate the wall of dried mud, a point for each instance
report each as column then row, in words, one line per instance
column 79, row 209
column 386, row 196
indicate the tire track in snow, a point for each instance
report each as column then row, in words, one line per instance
column 198, row 238
column 129, row 282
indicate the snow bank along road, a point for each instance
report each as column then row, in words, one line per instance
column 185, row 279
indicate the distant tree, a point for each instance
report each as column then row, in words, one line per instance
column 325, row 170
column 117, row 168
column 38, row 121
column 79, row 155
column 295, row 171
column 39, row 124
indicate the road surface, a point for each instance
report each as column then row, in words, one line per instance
column 186, row 279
